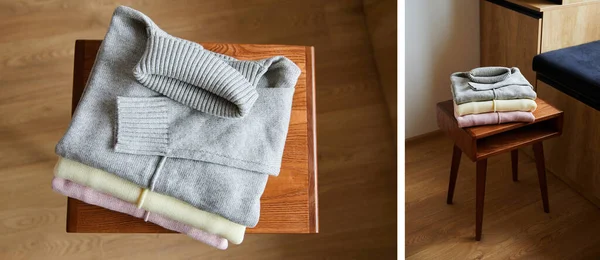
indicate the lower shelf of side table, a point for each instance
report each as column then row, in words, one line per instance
column 517, row 138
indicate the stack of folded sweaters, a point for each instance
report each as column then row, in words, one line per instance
column 492, row 95
column 175, row 134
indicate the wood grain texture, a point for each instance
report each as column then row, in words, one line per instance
column 571, row 2
column 381, row 18
column 536, row 5
column 311, row 124
column 570, row 26
column 481, row 173
column 456, row 155
column 424, row 136
column 574, row 156
column 447, row 124
column 545, row 5
column 508, row 38
column 538, row 150
column 484, row 141
column 356, row 160
column 514, row 162
column 514, row 227
column 520, row 137
column 494, row 140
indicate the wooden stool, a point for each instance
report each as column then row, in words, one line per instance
column 481, row 142
column 289, row 203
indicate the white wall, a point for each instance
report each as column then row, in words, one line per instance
column 442, row 36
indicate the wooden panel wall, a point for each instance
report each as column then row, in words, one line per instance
column 514, row 47
column 571, row 26
column 566, row 2
column 573, row 157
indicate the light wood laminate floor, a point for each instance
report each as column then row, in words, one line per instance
column 356, row 151
column 514, row 223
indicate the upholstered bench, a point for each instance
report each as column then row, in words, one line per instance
column 574, row 71
column 569, row 79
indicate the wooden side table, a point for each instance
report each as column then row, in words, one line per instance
column 289, row 203
column 481, row 142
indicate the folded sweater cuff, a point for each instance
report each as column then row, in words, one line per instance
column 142, row 125
column 187, row 73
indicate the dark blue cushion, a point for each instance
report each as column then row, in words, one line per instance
column 574, row 71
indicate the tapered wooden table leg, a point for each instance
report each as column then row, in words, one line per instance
column 480, row 195
column 538, row 152
column 456, row 154
column 514, row 158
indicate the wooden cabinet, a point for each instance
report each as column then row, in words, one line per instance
column 570, row 26
column 509, row 38
column 512, row 33
column 575, row 157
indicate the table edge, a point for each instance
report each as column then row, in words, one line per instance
column 313, row 204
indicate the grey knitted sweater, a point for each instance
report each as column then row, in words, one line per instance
column 168, row 115
column 487, row 83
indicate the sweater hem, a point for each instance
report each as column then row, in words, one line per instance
column 142, row 125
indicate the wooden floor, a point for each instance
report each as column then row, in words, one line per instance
column 356, row 151
column 514, row 224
